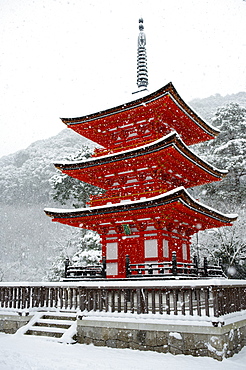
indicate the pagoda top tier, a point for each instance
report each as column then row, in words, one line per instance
column 142, row 121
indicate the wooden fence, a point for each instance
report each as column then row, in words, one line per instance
column 200, row 299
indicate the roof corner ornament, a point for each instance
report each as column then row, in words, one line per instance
column 142, row 71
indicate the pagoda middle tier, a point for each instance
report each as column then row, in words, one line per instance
column 145, row 171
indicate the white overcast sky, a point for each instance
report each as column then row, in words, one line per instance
column 68, row 58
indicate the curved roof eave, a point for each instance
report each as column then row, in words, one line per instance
column 169, row 88
column 168, row 140
column 175, row 195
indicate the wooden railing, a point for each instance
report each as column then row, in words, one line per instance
column 85, row 272
column 157, row 269
column 201, row 298
column 172, row 268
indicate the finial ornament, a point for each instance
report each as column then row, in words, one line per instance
column 142, row 71
column 141, row 27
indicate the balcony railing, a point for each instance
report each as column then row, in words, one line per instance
column 172, row 268
column 161, row 270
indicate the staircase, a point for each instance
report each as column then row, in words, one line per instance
column 56, row 326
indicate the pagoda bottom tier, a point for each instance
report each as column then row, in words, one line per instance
column 142, row 247
column 147, row 230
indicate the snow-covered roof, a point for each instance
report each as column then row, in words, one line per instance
column 164, row 106
column 112, row 160
column 182, row 205
column 167, row 89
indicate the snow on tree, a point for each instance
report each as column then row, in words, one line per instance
column 226, row 246
column 66, row 188
column 89, row 250
column 83, row 248
column 227, row 151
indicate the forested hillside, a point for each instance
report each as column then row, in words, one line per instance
column 30, row 242
column 207, row 107
column 227, row 151
column 24, row 175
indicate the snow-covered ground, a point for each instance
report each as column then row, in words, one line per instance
column 33, row 353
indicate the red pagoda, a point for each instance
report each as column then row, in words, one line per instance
column 144, row 167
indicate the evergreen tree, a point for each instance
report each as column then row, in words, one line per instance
column 225, row 246
column 227, row 151
column 89, row 249
column 66, row 188
column 83, row 248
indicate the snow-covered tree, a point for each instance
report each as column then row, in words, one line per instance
column 230, row 146
column 89, row 249
column 83, row 248
column 66, row 188
column 227, row 151
column 225, row 245
column 57, row 269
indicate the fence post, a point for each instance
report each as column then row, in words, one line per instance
column 195, row 261
column 205, row 266
column 174, row 264
column 220, row 262
column 215, row 292
column 66, row 263
column 128, row 272
column 104, row 267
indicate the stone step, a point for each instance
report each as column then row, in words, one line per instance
column 47, row 329
column 51, row 325
column 43, row 334
column 62, row 312
column 55, row 321
column 65, row 324
column 62, row 316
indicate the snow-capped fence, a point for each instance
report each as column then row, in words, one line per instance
column 209, row 299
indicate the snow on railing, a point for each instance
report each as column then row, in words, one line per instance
column 204, row 298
